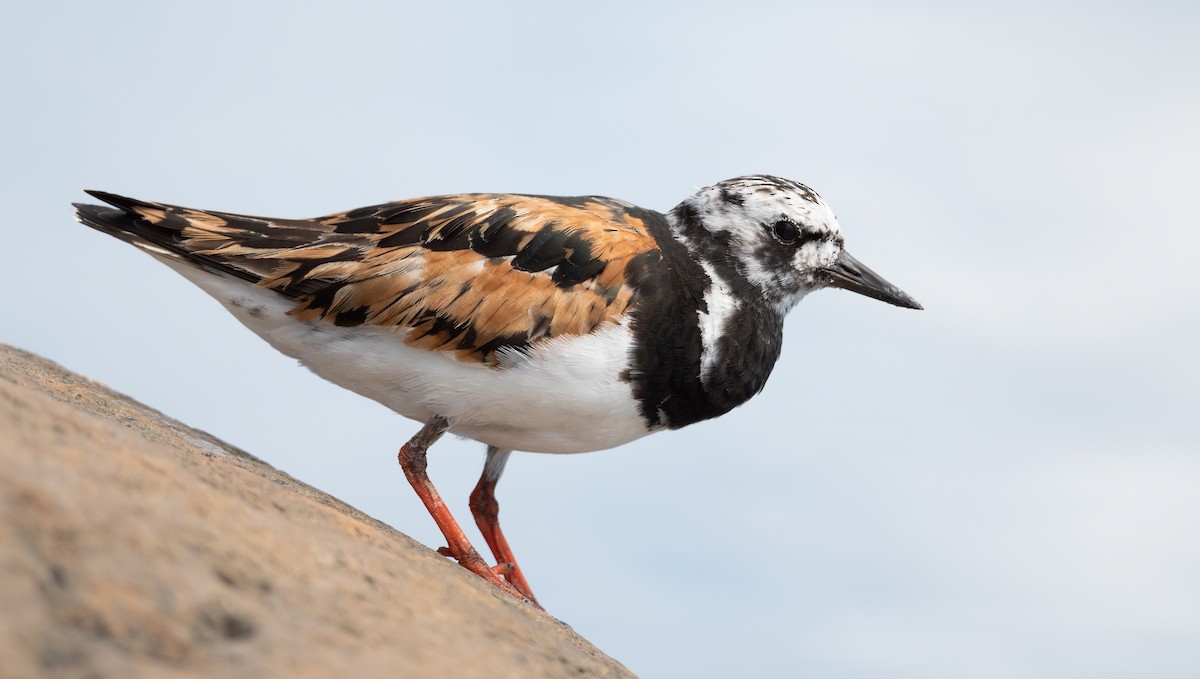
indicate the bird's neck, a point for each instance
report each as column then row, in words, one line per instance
column 705, row 343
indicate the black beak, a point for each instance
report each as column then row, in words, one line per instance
column 850, row 274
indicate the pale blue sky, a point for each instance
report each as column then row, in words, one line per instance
column 1004, row 485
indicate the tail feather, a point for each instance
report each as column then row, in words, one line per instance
column 127, row 226
column 122, row 202
column 198, row 238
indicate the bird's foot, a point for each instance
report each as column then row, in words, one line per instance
column 471, row 561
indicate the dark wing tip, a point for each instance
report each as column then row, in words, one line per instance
column 114, row 199
column 116, row 222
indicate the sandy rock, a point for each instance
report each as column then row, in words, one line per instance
column 134, row 546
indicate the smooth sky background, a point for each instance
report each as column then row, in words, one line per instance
column 1004, row 485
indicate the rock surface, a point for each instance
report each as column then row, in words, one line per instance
column 134, row 546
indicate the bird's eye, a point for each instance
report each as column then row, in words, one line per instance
column 787, row 232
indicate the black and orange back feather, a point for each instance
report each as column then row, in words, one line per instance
column 468, row 273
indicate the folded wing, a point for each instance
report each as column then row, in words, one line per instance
column 473, row 274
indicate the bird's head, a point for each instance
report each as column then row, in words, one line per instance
column 779, row 236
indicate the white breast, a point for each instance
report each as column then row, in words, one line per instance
column 565, row 396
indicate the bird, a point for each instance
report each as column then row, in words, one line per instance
column 529, row 323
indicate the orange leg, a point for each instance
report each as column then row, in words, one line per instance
column 487, row 516
column 413, row 462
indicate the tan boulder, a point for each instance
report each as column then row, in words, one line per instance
column 132, row 545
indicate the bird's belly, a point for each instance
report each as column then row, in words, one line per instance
column 565, row 396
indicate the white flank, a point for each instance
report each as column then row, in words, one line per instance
column 565, row 396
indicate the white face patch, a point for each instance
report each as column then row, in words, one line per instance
column 741, row 214
column 721, row 305
column 820, row 255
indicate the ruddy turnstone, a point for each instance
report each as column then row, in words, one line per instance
column 535, row 323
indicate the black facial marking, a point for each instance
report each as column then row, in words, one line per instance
column 713, row 248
